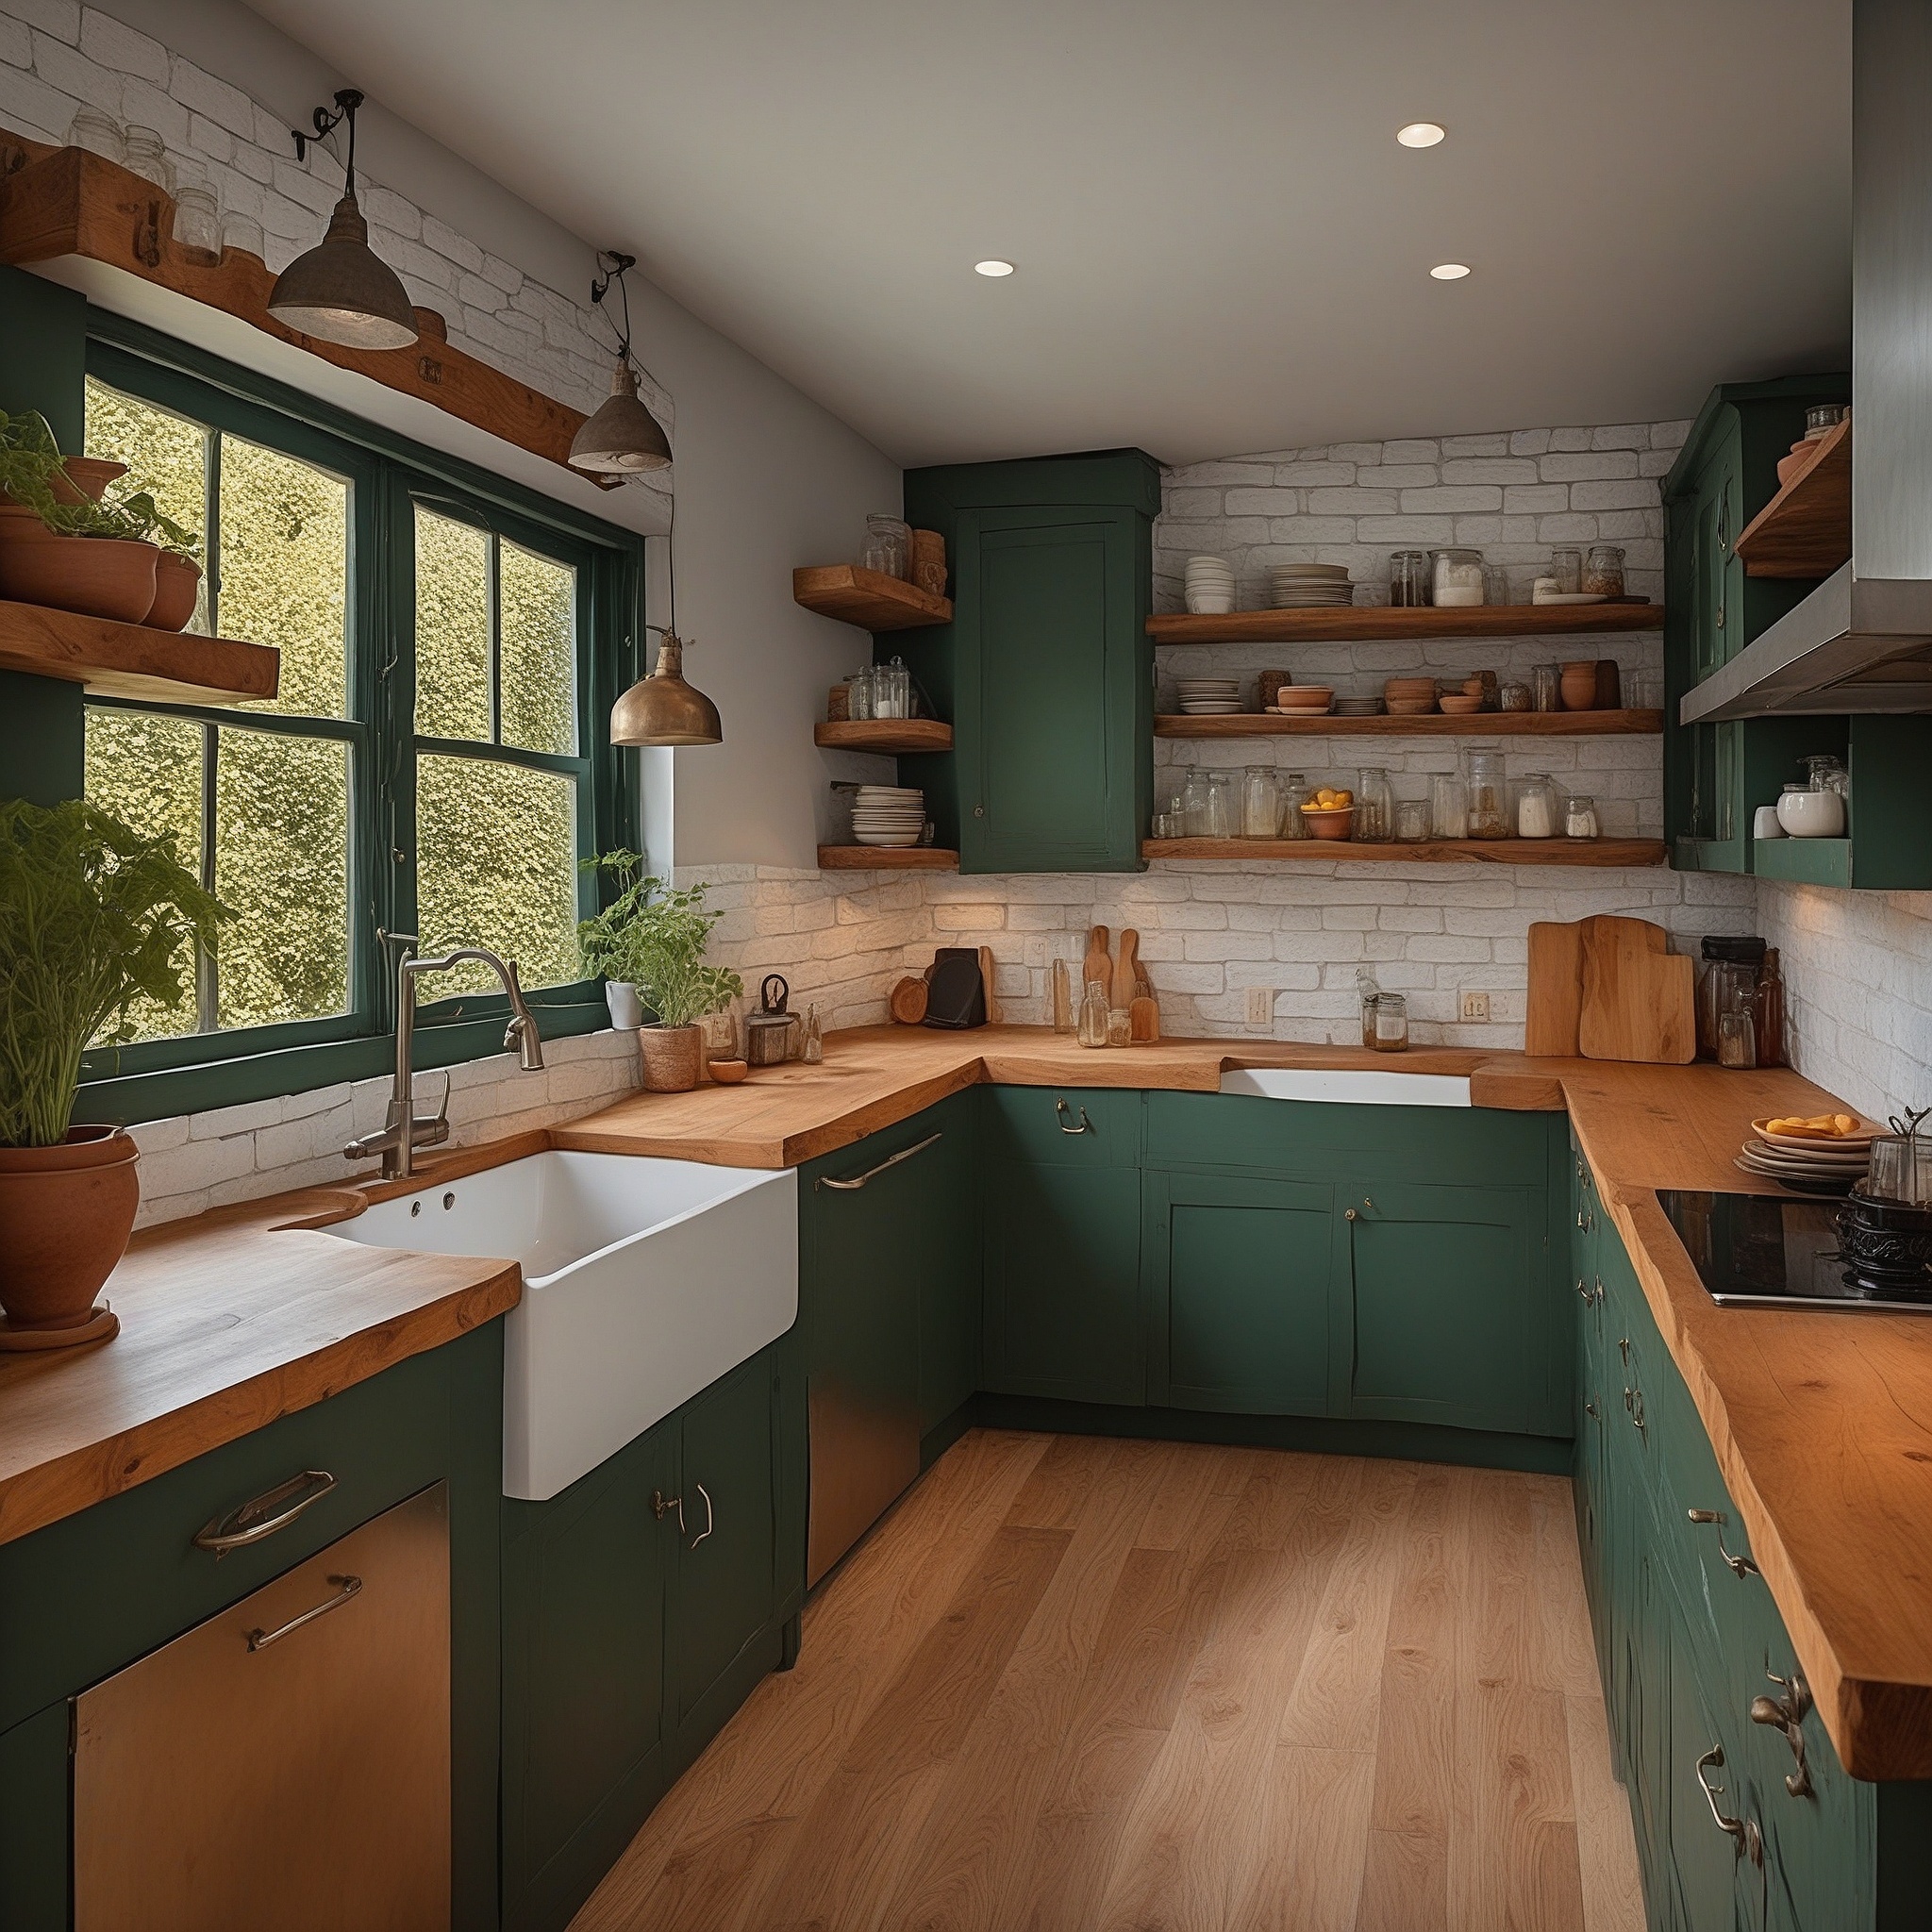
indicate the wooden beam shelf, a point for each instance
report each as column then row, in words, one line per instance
column 70, row 201
column 868, row 598
column 131, row 660
column 884, row 735
column 1368, row 623
column 1806, row 529
column 887, row 858
column 1434, row 725
column 1451, row 850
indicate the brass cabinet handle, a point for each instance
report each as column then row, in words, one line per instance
column 1353, row 1215
column 1744, row 1832
column 1787, row 1714
column 1064, row 1111
column 346, row 1586
column 872, row 1173
column 1590, row 1409
column 1583, row 1290
column 1637, row 1413
column 263, row 1515
column 1740, row 1566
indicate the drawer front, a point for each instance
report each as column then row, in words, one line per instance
column 1064, row 1126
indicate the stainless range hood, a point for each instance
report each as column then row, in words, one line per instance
column 1862, row 640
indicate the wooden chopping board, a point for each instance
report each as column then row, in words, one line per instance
column 1555, row 1003
column 1639, row 1001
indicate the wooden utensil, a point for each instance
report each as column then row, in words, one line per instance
column 1143, row 1019
column 1639, row 1001
column 1062, row 998
column 1126, row 972
column 1556, row 989
column 908, row 1002
column 987, row 971
column 1096, row 966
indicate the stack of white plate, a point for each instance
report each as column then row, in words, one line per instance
column 1310, row 586
column 1807, row 1163
column 888, row 814
column 1357, row 708
column 1209, row 586
column 1209, row 697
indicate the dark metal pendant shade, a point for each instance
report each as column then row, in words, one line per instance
column 342, row 292
column 623, row 437
column 662, row 709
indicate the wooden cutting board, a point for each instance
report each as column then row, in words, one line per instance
column 1639, row 1001
column 1555, row 1004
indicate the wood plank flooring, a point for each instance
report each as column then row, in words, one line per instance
column 1072, row 1682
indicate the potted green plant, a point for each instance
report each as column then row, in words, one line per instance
column 92, row 917
column 652, row 938
column 177, row 568
column 85, row 556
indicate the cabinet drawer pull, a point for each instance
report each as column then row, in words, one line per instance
column 661, row 1507
column 265, row 1514
column 346, row 1586
column 1787, row 1714
column 711, row 1518
column 1637, row 1413
column 1740, row 1566
column 859, row 1180
column 1065, row 1113
column 1590, row 1409
column 1742, row 1832
column 1352, row 1214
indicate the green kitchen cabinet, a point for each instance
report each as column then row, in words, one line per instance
column 1047, row 669
column 1885, row 847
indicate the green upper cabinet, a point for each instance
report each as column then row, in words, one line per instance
column 1046, row 667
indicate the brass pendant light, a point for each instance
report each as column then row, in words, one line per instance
column 622, row 438
column 342, row 290
column 662, row 709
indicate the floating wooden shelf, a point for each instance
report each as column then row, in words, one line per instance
column 129, row 661
column 868, row 598
column 1371, row 623
column 1452, row 851
column 1434, row 725
column 884, row 734
column 887, row 858
column 1806, row 529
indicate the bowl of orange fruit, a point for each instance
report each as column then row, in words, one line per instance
column 1330, row 813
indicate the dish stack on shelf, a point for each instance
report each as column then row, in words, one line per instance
column 1806, row 1158
column 1310, row 586
column 1209, row 586
column 887, row 815
column 1410, row 698
column 1303, row 700
column 1357, row 708
column 1209, row 697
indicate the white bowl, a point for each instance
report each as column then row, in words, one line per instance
column 1812, row 814
column 1211, row 603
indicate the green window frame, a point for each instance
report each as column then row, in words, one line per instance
column 388, row 478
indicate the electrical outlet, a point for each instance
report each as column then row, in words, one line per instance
column 1260, row 1004
column 1476, row 1005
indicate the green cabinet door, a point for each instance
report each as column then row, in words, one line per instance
column 1239, row 1275
column 1451, row 1312
column 944, row 1260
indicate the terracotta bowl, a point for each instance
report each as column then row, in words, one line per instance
column 93, row 577
column 1411, row 707
column 728, row 1072
column 1329, row 820
column 177, row 581
column 84, row 480
column 1459, row 704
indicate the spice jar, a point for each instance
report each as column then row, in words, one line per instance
column 888, row 545
column 1374, row 805
column 1489, row 800
column 1448, row 805
column 147, row 155
column 1603, row 570
column 1513, row 697
column 1579, row 685
column 1409, row 578
column 1411, row 821
column 1536, row 806
column 1458, row 578
column 1579, row 816
column 1260, row 803
column 1391, row 1023
column 1566, row 567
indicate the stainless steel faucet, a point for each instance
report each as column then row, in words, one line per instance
column 407, row 1130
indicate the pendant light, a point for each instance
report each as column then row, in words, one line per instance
column 662, row 709
column 622, row 437
column 342, row 290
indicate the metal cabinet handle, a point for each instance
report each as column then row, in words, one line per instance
column 1590, row 1409
column 1352, row 1215
column 711, row 1518
column 859, row 1180
column 1623, row 1348
column 265, row 1514
column 346, row 1586
column 1787, row 1714
column 1742, row 1832
column 1583, row 1290
column 1637, row 1413
column 1740, row 1566
column 662, row 1506
column 1086, row 1125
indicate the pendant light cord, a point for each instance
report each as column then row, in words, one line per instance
column 612, row 267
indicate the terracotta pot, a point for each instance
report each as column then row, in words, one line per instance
column 672, row 1056
column 80, row 479
column 17, row 521
column 65, row 1216
column 95, row 576
column 178, row 582
column 1579, row 685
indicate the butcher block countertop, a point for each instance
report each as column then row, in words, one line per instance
column 1821, row 1423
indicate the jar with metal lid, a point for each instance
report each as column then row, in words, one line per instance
column 1536, row 806
column 1457, row 576
column 1409, row 578
column 1260, row 803
column 1603, row 570
column 1579, row 816
column 1391, row 1023
column 147, row 155
column 1487, row 796
column 888, row 545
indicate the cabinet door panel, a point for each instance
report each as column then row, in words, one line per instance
column 1240, row 1288
column 945, row 1261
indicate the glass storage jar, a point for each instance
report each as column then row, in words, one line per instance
column 891, row 689
column 1294, row 793
column 1448, row 805
column 888, row 545
column 1260, row 803
column 1411, row 821
column 1566, row 567
column 1409, row 578
column 1093, row 1015
column 1458, row 577
column 1728, row 976
column 1536, row 806
column 1547, row 691
column 99, row 133
column 147, row 155
column 1603, row 570
column 1219, row 805
column 1580, row 817
column 1487, row 796
column 1391, row 1023
column 1375, row 805
column 198, row 224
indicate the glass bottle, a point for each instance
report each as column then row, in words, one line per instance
column 1768, row 1012
column 147, row 155
column 1458, row 577
column 1489, row 796
column 1120, row 1027
column 1723, row 956
column 198, row 222
column 888, row 545
column 1535, row 807
column 1218, row 807
column 1566, row 567
column 1580, row 817
column 1736, row 1040
column 1391, row 1023
column 1409, row 578
column 1093, row 1015
column 1448, row 805
column 1293, row 789
column 98, row 133
column 1063, row 997
column 1375, row 805
column 1548, row 687
column 892, row 690
column 1260, row 803
column 859, row 690
column 1368, row 993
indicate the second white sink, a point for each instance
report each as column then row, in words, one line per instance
column 1365, row 1086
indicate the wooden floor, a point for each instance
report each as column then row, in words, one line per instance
column 1071, row 1682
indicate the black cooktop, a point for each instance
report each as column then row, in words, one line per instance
column 1763, row 1251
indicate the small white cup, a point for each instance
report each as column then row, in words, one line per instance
column 1764, row 823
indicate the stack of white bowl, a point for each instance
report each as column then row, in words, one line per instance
column 1210, row 586
column 1310, row 586
column 888, row 814
column 1208, row 697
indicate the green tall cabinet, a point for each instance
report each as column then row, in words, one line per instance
column 1046, row 670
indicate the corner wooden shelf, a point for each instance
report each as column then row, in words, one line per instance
column 1368, row 623
column 130, row 660
column 887, row 858
column 868, row 598
column 1433, row 724
column 1452, row 851
column 884, row 735
column 1806, row 529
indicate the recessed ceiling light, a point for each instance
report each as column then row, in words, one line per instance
column 1450, row 271
column 992, row 268
column 1419, row 134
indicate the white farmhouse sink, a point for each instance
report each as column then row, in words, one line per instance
column 644, row 1282
column 1365, row 1086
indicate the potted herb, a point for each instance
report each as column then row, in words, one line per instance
column 81, row 555
column 92, row 917
column 651, row 938
column 177, row 568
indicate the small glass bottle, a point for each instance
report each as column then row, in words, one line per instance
column 1535, row 807
column 1375, row 805
column 1489, row 796
column 1737, row 1039
column 1093, row 1015
column 1294, row 788
column 1768, row 1012
column 1260, row 803
column 1409, row 578
column 1120, row 1030
column 1219, row 805
column 1548, row 687
column 1391, row 1023
column 1603, row 570
column 888, row 545
column 1062, row 994
column 1580, row 817
column 1448, row 805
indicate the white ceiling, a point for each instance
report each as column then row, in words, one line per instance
column 1220, row 247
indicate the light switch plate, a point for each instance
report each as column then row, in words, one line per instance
column 1476, row 1005
column 1260, row 1004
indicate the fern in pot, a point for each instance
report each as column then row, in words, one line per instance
column 93, row 916
column 649, row 942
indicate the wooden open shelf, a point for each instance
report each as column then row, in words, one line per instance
column 887, row 858
column 129, row 661
column 884, row 734
column 1433, row 724
column 1806, row 529
column 868, row 598
column 1452, row 851
column 1368, row 623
